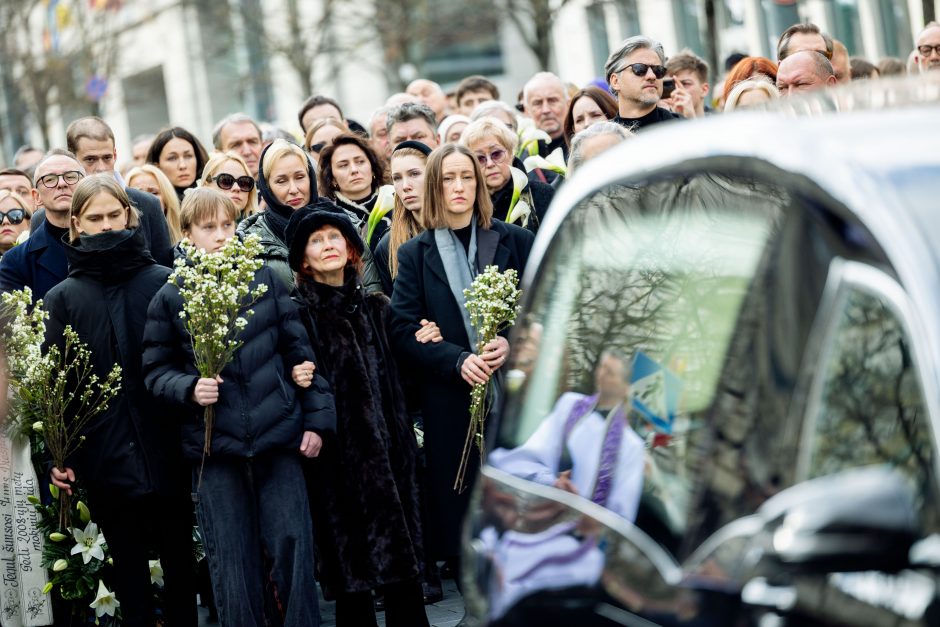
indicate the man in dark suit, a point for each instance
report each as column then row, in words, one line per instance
column 40, row 262
column 91, row 140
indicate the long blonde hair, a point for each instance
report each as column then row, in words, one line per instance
column 405, row 224
column 87, row 190
column 215, row 163
column 168, row 198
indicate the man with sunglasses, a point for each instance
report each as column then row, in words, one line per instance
column 40, row 262
column 927, row 51
column 635, row 73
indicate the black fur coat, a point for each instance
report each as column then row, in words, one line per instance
column 363, row 494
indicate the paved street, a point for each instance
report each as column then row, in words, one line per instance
column 446, row 613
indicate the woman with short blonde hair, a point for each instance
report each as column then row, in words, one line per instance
column 493, row 145
column 160, row 187
column 759, row 84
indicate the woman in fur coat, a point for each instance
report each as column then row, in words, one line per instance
column 362, row 488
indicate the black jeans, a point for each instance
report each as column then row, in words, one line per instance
column 249, row 507
column 132, row 527
column 404, row 607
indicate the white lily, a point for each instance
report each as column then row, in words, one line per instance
column 518, row 209
column 529, row 137
column 555, row 162
column 88, row 542
column 105, row 603
column 383, row 206
column 156, row 572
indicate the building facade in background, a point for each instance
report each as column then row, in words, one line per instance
column 144, row 64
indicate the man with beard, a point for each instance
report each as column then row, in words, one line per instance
column 928, row 48
column 635, row 73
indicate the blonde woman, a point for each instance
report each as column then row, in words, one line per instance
column 750, row 93
column 14, row 219
column 493, row 146
column 151, row 179
column 228, row 173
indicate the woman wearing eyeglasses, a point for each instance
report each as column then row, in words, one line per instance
column 635, row 73
column 494, row 145
column 14, row 219
column 228, row 173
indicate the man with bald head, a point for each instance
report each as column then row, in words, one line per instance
column 927, row 51
column 431, row 94
column 545, row 100
column 40, row 262
column 804, row 71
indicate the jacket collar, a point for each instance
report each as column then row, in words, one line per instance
column 490, row 249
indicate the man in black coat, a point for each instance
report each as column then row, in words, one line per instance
column 91, row 140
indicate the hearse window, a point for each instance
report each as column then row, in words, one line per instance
column 870, row 408
column 616, row 366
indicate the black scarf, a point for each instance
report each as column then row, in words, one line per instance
column 109, row 257
column 277, row 214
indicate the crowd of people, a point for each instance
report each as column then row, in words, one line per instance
column 361, row 341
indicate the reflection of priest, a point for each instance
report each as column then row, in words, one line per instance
column 586, row 447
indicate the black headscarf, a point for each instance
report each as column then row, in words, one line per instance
column 277, row 213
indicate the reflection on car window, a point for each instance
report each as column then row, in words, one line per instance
column 631, row 323
column 871, row 410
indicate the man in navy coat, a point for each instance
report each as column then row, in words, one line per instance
column 40, row 261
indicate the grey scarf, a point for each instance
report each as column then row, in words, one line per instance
column 460, row 269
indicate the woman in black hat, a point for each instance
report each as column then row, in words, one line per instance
column 363, row 495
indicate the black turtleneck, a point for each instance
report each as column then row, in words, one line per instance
column 658, row 114
column 464, row 236
column 108, row 257
column 55, row 232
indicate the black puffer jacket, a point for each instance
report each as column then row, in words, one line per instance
column 132, row 449
column 259, row 408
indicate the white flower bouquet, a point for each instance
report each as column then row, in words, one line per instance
column 492, row 302
column 55, row 393
column 217, row 300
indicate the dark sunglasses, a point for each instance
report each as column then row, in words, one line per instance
column 226, row 181
column 640, row 69
column 15, row 216
column 497, row 157
column 316, row 148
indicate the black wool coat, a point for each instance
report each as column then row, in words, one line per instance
column 422, row 291
column 259, row 408
column 132, row 449
column 363, row 493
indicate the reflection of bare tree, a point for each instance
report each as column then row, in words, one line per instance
column 872, row 410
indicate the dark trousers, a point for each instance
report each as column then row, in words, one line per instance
column 248, row 508
column 404, row 607
column 132, row 527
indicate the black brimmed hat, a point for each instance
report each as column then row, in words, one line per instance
column 308, row 219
